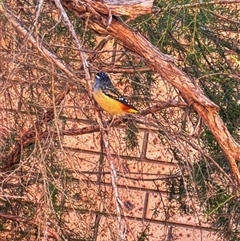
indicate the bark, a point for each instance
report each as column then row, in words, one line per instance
column 164, row 65
column 130, row 8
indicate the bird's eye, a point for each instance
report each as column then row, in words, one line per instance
column 98, row 76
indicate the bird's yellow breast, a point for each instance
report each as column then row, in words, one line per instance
column 111, row 105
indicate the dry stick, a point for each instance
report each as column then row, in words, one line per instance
column 52, row 232
column 99, row 120
column 39, row 9
column 49, row 56
column 77, row 41
column 33, row 132
column 105, row 140
column 115, row 188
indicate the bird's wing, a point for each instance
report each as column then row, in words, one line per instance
column 113, row 93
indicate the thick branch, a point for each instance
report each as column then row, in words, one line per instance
column 162, row 64
column 131, row 8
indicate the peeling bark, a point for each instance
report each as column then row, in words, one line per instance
column 130, row 8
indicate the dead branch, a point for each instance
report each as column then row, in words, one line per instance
column 120, row 228
column 77, row 41
column 33, row 132
column 15, row 218
column 52, row 58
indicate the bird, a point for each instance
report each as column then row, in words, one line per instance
column 109, row 98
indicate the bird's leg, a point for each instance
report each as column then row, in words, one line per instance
column 107, row 124
column 111, row 121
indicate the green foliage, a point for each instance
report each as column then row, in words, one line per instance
column 131, row 137
column 144, row 235
column 219, row 203
column 178, row 192
column 203, row 39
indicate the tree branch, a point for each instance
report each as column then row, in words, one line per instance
column 29, row 137
column 25, row 33
column 14, row 218
column 163, row 65
column 33, row 132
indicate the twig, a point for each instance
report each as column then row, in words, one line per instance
column 39, row 8
column 201, row 4
column 49, row 56
column 35, row 131
column 121, row 234
column 52, row 232
column 113, row 171
column 74, row 35
column 30, row 136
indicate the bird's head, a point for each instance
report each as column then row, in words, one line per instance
column 101, row 78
